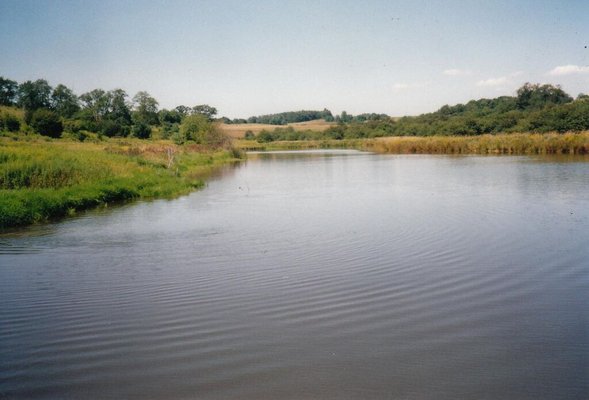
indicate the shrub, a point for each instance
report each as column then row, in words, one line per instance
column 113, row 128
column 10, row 122
column 249, row 135
column 169, row 129
column 265, row 137
column 80, row 135
column 194, row 127
column 141, row 130
column 46, row 123
column 198, row 128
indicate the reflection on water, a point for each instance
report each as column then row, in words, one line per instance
column 325, row 275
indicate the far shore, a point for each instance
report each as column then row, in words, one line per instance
column 513, row 143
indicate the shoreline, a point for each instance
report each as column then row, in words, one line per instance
column 42, row 182
column 507, row 144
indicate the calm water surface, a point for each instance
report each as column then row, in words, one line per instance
column 317, row 275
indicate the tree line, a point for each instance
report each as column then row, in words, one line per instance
column 283, row 118
column 291, row 117
column 50, row 111
column 536, row 108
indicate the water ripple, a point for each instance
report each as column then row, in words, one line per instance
column 375, row 277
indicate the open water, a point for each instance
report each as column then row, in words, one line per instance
column 312, row 275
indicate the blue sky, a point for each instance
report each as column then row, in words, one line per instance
column 257, row 57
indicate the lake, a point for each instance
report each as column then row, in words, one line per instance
column 312, row 275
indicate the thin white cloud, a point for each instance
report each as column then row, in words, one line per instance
column 457, row 72
column 503, row 80
column 569, row 70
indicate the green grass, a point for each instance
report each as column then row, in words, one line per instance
column 40, row 181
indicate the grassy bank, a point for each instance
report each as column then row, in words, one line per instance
column 40, row 181
column 516, row 144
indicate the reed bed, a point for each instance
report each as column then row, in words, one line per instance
column 515, row 144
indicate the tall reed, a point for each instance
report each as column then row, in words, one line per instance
column 549, row 143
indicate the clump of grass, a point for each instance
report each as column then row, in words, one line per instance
column 40, row 181
column 38, row 167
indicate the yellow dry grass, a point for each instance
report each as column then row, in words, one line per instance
column 17, row 112
column 516, row 143
column 238, row 131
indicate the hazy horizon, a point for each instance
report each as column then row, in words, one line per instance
column 398, row 58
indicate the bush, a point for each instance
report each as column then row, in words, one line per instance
column 265, row 137
column 249, row 135
column 72, row 125
column 113, row 128
column 169, row 129
column 195, row 127
column 10, row 123
column 46, row 123
column 80, row 136
column 177, row 138
column 198, row 128
column 141, row 130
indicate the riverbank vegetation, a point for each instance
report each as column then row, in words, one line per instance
column 42, row 180
column 61, row 153
column 513, row 144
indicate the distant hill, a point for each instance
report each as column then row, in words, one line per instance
column 293, row 117
column 238, row 131
column 536, row 108
column 283, row 118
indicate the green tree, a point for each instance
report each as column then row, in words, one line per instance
column 64, row 101
column 535, row 96
column 183, row 110
column 170, row 116
column 145, row 109
column 118, row 107
column 34, row 95
column 8, row 91
column 96, row 104
column 345, row 117
column 205, row 110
